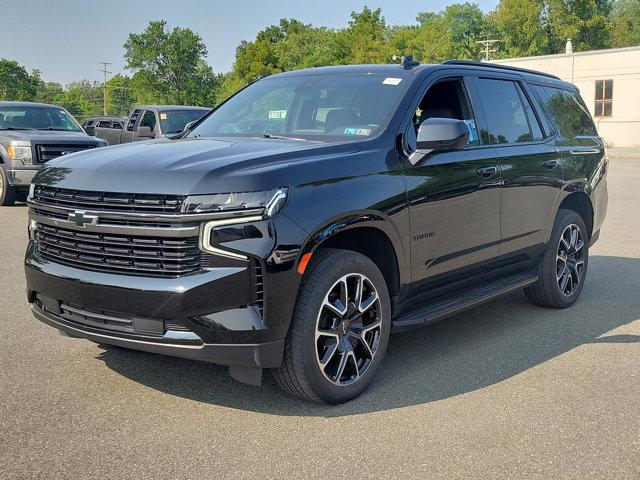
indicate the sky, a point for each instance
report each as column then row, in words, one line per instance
column 65, row 39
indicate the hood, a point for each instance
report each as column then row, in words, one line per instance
column 46, row 136
column 187, row 166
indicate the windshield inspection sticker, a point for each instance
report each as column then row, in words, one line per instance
column 163, row 116
column 392, row 81
column 357, row 131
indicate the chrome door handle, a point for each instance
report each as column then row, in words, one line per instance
column 486, row 172
column 589, row 151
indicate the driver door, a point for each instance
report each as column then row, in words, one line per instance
column 454, row 196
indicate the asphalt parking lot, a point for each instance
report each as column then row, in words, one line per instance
column 505, row 390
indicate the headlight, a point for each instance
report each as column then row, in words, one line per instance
column 270, row 200
column 247, row 207
column 20, row 151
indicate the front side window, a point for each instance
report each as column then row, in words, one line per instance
column 604, row 98
column 324, row 108
column 509, row 115
column 149, row 120
column 37, row 118
column 567, row 111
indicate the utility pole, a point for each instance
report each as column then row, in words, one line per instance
column 104, row 85
column 487, row 47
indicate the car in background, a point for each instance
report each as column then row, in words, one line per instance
column 31, row 134
column 103, row 121
column 151, row 121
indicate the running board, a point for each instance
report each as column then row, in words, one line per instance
column 454, row 304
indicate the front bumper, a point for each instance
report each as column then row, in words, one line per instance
column 206, row 316
column 20, row 177
column 260, row 355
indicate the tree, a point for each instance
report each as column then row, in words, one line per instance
column 81, row 99
column 521, row 27
column 15, row 82
column 625, row 23
column 119, row 95
column 168, row 65
column 582, row 21
column 364, row 40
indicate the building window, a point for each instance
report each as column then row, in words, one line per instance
column 604, row 98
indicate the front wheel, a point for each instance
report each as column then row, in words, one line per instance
column 339, row 331
column 563, row 268
column 8, row 193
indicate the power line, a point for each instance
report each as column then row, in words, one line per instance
column 104, row 85
column 487, row 47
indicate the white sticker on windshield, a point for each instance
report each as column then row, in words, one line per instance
column 163, row 116
column 392, row 81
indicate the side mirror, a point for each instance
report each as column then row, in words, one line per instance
column 90, row 130
column 440, row 135
column 145, row 132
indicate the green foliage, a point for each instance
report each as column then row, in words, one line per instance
column 169, row 66
column 15, row 82
column 625, row 23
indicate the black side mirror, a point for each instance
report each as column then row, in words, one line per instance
column 145, row 132
column 440, row 135
column 90, row 130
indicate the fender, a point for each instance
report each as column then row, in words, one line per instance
column 360, row 219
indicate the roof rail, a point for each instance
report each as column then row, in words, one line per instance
column 473, row 63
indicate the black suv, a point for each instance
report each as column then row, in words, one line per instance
column 316, row 211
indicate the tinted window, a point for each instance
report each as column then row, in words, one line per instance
column 174, row 121
column 132, row 120
column 30, row 117
column 507, row 117
column 567, row 111
column 104, row 124
column 322, row 107
column 149, row 120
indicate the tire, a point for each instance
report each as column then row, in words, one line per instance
column 329, row 357
column 562, row 270
column 8, row 193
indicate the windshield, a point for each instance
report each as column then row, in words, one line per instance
column 36, row 118
column 174, row 121
column 325, row 108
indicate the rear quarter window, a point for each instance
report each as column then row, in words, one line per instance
column 567, row 111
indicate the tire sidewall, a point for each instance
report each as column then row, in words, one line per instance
column 549, row 268
column 353, row 263
column 7, row 193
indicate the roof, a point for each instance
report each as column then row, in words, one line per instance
column 375, row 69
column 170, row 107
column 106, row 117
column 574, row 54
column 7, row 103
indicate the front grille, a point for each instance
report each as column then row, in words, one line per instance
column 123, row 254
column 44, row 153
column 107, row 201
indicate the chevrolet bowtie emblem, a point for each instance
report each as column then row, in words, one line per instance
column 82, row 219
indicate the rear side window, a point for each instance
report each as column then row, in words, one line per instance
column 133, row 120
column 567, row 111
column 510, row 118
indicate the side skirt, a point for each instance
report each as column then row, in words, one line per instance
column 453, row 304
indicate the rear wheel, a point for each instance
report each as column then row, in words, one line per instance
column 339, row 331
column 563, row 268
column 8, row 193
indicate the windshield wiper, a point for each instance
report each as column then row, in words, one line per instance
column 17, row 128
column 280, row 137
column 56, row 129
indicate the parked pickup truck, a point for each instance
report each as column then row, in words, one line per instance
column 31, row 134
column 147, row 122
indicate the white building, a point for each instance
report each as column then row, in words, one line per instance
column 609, row 82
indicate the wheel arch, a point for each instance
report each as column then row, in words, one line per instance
column 580, row 203
column 370, row 235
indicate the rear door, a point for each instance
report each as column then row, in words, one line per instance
column 529, row 161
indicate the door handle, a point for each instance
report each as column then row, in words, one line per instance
column 487, row 172
column 550, row 164
column 589, row 151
